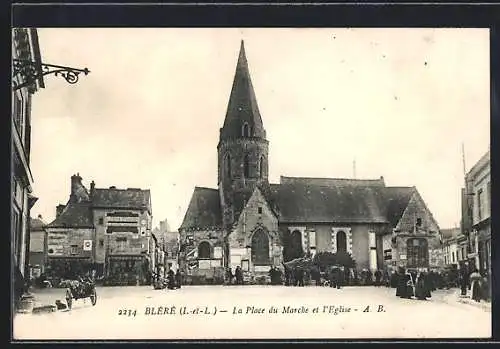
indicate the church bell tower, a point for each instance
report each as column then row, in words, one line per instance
column 243, row 147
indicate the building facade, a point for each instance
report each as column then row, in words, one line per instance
column 38, row 247
column 477, row 223
column 453, row 253
column 103, row 229
column 254, row 224
column 25, row 46
column 168, row 243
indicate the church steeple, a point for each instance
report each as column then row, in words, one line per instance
column 242, row 117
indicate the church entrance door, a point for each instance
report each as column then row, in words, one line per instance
column 260, row 248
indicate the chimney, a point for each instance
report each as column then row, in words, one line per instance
column 92, row 188
column 76, row 181
column 59, row 209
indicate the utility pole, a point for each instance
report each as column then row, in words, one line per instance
column 468, row 211
column 463, row 160
column 354, row 168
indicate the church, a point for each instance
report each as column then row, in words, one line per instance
column 254, row 224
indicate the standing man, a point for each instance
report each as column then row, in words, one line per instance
column 178, row 278
column 229, row 276
column 300, row 277
column 239, row 275
column 464, row 280
column 340, row 277
column 378, row 276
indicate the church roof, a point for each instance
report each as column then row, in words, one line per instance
column 204, row 211
column 242, row 106
column 317, row 200
column 74, row 215
column 310, row 200
column 397, row 199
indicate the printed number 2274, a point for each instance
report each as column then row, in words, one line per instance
column 127, row 312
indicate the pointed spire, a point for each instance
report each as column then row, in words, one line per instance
column 242, row 107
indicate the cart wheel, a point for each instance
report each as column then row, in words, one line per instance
column 93, row 297
column 69, row 299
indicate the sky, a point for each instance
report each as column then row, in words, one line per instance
column 398, row 103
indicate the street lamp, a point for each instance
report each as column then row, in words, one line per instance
column 29, row 71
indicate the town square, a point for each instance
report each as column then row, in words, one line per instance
column 250, row 178
column 328, row 323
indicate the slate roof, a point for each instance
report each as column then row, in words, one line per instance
column 333, row 182
column 396, row 200
column 242, row 106
column 121, row 198
column 204, row 211
column 78, row 210
column 310, row 200
column 74, row 215
column 331, row 200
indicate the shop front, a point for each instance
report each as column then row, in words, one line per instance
column 67, row 268
column 484, row 246
column 127, row 270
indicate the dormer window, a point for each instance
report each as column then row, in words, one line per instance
column 245, row 130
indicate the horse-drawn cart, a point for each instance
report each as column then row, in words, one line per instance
column 81, row 289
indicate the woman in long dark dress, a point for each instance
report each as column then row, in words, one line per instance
column 400, row 279
column 475, row 279
column 171, row 279
column 422, row 288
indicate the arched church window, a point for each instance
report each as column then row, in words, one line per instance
column 204, row 250
column 227, row 166
column 246, row 130
column 341, row 242
column 246, row 166
column 260, row 248
column 261, row 167
column 296, row 250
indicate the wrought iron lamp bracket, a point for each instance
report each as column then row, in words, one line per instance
column 29, row 71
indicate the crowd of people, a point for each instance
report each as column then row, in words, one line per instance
column 236, row 277
column 172, row 281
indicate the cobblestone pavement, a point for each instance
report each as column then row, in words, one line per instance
column 213, row 312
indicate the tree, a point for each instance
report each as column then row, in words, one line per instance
column 345, row 259
column 324, row 260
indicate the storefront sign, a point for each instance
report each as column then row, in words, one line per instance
column 55, row 250
column 87, row 245
column 402, row 257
